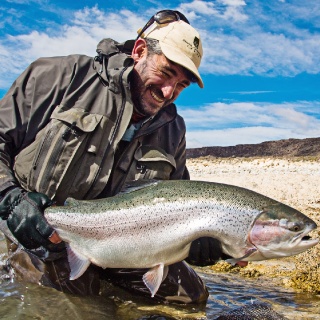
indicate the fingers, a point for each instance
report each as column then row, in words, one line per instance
column 54, row 238
column 242, row 263
column 194, row 253
column 46, row 231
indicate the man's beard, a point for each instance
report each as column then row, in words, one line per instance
column 137, row 87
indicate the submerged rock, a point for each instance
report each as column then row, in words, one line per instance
column 256, row 311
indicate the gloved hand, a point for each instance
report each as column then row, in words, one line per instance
column 205, row 251
column 24, row 214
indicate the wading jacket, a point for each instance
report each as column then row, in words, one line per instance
column 63, row 118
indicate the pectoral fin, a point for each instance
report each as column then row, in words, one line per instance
column 77, row 262
column 233, row 261
column 154, row 277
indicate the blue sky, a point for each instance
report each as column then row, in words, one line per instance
column 261, row 64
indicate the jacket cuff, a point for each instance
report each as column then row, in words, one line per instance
column 6, row 190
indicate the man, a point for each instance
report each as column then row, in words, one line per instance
column 81, row 127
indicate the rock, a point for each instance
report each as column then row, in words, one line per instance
column 280, row 148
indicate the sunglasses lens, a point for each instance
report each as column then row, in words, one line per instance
column 163, row 17
column 182, row 17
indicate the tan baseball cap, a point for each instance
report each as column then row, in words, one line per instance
column 180, row 43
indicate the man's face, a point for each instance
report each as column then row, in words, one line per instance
column 156, row 83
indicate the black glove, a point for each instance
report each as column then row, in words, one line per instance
column 205, row 251
column 24, row 214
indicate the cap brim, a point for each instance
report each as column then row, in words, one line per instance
column 178, row 57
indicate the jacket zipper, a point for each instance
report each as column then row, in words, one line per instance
column 113, row 134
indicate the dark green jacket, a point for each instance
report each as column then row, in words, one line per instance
column 62, row 120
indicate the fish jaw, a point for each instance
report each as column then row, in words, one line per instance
column 282, row 237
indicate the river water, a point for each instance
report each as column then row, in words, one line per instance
column 20, row 300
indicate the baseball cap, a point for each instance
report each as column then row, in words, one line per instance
column 180, row 43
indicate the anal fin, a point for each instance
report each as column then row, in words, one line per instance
column 77, row 262
column 154, row 277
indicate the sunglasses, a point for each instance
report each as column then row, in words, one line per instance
column 163, row 17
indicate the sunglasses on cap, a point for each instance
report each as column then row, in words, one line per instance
column 163, row 17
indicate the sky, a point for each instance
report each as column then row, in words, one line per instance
column 261, row 62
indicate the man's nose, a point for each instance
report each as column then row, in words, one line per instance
column 168, row 90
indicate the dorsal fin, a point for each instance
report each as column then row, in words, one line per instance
column 75, row 203
column 135, row 185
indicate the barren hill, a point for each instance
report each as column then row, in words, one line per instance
column 279, row 148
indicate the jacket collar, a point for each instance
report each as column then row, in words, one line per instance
column 109, row 46
column 163, row 117
column 111, row 59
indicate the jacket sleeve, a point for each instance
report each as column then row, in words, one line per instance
column 181, row 172
column 26, row 108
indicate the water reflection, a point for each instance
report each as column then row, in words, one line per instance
column 228, row 291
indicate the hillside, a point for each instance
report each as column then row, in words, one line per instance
column 279, row 148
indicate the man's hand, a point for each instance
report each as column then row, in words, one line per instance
column 205, row 251
column 24, row 214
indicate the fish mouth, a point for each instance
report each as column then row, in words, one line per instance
column 304, row 241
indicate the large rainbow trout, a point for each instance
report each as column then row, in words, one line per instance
column 152, row 226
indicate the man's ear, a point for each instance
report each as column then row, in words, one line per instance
column 139, row 50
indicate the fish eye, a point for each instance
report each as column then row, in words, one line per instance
column 295, row 227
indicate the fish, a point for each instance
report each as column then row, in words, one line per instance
column 152, row 225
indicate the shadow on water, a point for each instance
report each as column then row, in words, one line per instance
column 19, row 300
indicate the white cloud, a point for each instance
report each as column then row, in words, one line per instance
column 224, row 115
column 235, row 123
column 261, row 53
column 234, row 13
column 244, row 135
column 86, row 28
column 18, row 1
column 234, row 136
column 81, row 36
column 198, row 7
column 223, row 9
column 251, row 92
column 257, row 38
column 233, row 2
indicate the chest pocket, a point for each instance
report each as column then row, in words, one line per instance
column 42, row 165
column 151, row 162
